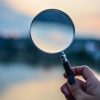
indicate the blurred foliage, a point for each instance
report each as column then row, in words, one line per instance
column 82, row 51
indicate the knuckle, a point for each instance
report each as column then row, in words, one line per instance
column 85, row 66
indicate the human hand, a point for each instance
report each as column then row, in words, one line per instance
column 82, row 90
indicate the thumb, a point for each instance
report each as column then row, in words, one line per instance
column 77, row 92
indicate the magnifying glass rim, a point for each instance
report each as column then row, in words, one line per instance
column 65, row 15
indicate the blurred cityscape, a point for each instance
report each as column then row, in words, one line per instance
column 23, row 50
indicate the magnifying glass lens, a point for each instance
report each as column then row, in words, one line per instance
column 52, row 31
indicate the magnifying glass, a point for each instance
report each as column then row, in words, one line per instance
column 53, row 31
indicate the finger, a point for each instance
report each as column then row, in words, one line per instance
column 66, row 90
column 85, row 71
column 82, row 84
column 76, row 91
column 73, row 91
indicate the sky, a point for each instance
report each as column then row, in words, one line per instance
column 16, row 15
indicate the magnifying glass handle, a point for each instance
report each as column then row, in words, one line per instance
column 70, row 75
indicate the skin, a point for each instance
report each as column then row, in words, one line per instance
column 89, row 89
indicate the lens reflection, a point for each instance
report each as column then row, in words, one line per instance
column 52, row 31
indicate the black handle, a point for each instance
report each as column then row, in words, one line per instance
column 69, row 73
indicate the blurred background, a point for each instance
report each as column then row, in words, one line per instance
column 29, row 74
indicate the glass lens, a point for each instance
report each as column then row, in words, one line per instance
column 52, row 31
